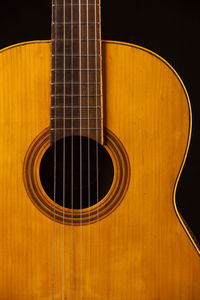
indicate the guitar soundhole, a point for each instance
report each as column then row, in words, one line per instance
column 105, row 188
column 79, row 170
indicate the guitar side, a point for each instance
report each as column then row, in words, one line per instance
column 141, row 250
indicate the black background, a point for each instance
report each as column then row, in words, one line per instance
column 169, row 28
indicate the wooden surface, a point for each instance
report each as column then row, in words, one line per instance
column 82, row 54
column 140, row 251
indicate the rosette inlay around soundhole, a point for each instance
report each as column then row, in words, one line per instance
column 109, row 198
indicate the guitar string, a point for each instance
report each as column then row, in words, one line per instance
column 88, row 103
column 80, row 68
column 72, row 152
column 54, row 11
column 64, row 160
column 97, row 133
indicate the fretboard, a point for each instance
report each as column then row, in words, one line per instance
column 76, row 92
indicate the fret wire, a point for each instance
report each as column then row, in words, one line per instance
column 76, row 55
column 61, row 5
column 76, row 107
column 82, row 40
column 74, row 23
column 61, row 95
column 55, row 70
column 54, row 129
column 74, row 82
column 59, row 118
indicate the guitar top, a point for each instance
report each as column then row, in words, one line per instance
column 94, row 136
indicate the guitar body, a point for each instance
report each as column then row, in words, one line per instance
column 142, row 249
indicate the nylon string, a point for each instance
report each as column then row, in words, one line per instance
column 98, row 133
column 88, row 103
column 55, row 131
column 97, row 129
column 64, row 154
column 80, row 87
column 72, row 141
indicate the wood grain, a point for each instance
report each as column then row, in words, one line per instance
column 76, row 45
column 140, row 251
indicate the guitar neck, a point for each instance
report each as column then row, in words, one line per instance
column 76, row 93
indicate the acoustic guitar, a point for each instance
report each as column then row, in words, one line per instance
column 94, row 136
